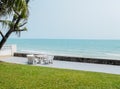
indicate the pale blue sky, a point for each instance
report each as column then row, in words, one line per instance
column 74, row 19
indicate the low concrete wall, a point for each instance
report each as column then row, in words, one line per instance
column 79, row 59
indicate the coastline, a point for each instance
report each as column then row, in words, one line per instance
column 90, row 51
column 111, row 56
column 75, row 47
column 77, row 59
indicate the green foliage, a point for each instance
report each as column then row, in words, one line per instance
column 6, row 23
column 8, row 7
column 14, row 76
column 13, row 17
column 18, row 11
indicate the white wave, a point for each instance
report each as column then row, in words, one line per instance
column 33, row 51
column 113, row 54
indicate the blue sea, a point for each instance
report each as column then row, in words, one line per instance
column 71, row 47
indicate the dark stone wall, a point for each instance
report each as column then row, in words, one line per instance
column 88, row 60
column 20, row 54
column 79, row 59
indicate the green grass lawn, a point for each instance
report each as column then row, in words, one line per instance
column 14, row 76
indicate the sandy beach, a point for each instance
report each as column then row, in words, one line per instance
column 6, row 56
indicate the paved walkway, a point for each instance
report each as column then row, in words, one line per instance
column 70, row 65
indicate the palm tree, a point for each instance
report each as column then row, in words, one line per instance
column 18, row 11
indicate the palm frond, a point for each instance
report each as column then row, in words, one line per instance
column 8, row 7
column 18, row 10
column 6, row 23
column 18, row 31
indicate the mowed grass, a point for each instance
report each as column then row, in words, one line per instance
column 14, row 76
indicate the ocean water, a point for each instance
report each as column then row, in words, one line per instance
column 72, row 47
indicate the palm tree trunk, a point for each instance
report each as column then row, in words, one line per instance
column 4, row 39
column 12, row 29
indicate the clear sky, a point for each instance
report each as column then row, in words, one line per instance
column 74, row 19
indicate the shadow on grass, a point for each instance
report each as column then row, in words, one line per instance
column 2, row 62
